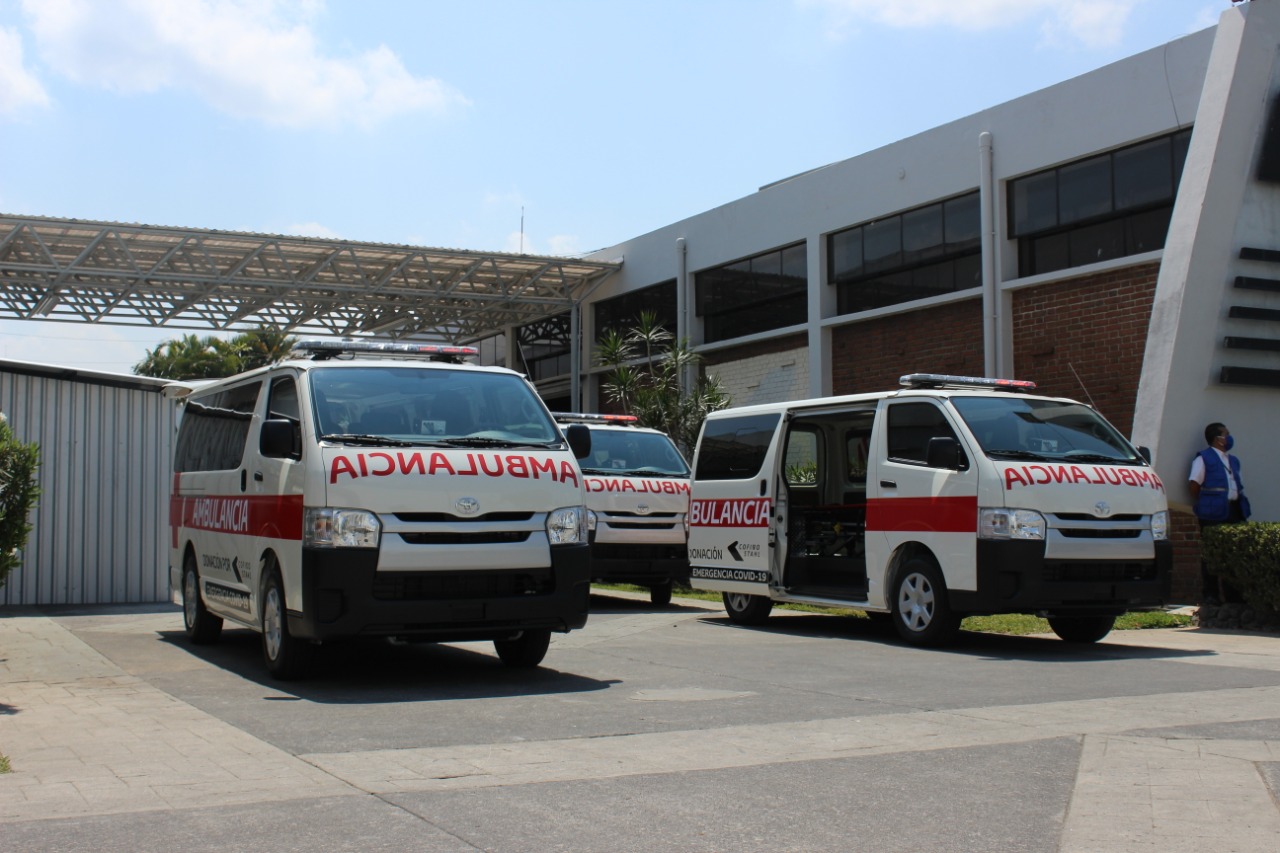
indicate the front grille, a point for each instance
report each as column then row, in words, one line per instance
column 1099, row 533
column 1099, row 571
column 619, row 514
column 635, row 525
column 487, row 537
column 439, row 517
column 444, row 586
column 1084, row 516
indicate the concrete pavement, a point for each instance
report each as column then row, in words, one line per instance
column 1161, row 771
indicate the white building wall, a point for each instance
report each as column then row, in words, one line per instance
column 100, row 528
column 765, row 378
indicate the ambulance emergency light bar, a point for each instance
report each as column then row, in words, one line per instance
column 581, row 418
column 938, row 380
column 320, row 349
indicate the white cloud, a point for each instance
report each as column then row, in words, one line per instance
column 253, row 59
column 564, row 245
column 1093, row 22
column 19, row 88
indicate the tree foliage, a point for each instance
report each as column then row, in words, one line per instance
column 647, row 363
column 19, row 463
column 210, row 357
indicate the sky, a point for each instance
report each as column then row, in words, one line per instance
column 546, row 126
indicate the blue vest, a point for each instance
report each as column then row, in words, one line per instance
column 1212, row 504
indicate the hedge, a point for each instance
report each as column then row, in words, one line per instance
column 1248, row 557
column 18, row 493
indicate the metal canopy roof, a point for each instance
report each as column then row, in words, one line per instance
column 183, row 278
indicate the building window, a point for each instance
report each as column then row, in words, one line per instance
column 912, row 255
column 622, row 313
column 545, row 348
column 758, row 294
column 1106, row 206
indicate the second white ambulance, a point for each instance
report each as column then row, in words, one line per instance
column 637, row 487
column 952, row 496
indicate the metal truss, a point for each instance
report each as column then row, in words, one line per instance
column 140, row 275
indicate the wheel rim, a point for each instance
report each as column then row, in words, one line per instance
column 271, row 623
column 737, row 601
column 190, row 595
column 916, row 601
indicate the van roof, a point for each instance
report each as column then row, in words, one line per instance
column 871, row 397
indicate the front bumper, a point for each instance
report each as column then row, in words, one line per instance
column 345, row 596
column 1015, row 577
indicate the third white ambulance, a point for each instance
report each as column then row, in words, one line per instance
column 952, row 496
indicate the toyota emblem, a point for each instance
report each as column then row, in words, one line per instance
column 467, row 506
column 642, row 509
column 1102, row 509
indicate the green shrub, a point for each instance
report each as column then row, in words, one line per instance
column 1248, row 557
column 18, row 493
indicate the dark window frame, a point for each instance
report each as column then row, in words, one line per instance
column 750, row 295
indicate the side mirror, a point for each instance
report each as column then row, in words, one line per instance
column 944, row 452
column 281, row 438
column 1145, row 453
column 579, row 438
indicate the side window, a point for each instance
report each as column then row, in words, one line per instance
column 734, row 448
column 911, row 427
column 284, row 400
column 215, row 428
column 801, row 462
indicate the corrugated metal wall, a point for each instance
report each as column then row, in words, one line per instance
column 100, row 529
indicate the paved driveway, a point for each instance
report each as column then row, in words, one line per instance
column 648, row 730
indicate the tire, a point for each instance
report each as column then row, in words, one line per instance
column 286, row 656
column 524, row 651
column 922, row 615
column 660, row 595
column 1082, row 629
column 202, row 626
column 746, row 609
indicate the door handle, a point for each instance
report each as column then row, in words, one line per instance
column 888, row 484
column 257, row 477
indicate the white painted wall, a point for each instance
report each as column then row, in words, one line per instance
column 765, row 378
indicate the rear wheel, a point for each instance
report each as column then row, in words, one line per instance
column 525, row 650
column 1082, row 629
column 286, row 656
column 921, row 613
column 660, row 594
column 202, row 626
column 747, row 609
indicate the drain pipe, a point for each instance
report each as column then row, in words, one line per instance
column 682, row 308
column 990, row 287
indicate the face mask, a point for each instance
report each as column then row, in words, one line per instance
column 1230, row 443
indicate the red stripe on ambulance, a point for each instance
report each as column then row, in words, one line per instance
column 936, row 515
column 271, row 516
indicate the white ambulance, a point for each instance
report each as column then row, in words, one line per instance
column 378, row 489
column 637, row 486
column 953, row 496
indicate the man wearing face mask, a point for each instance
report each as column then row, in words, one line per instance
column 1217, row 493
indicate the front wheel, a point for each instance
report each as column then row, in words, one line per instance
column 525, row 650
column 201, row 625
column 921, row 613
column 747, row 609
column 1082, row 629
column 286, row 656
column 660, row 594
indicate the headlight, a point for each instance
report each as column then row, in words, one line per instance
column 591, row 519
column 565, row 526
column 1000, row 523
column 1160, row 525
column 326, row 527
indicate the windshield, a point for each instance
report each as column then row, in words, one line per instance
column 623, row 452
column 1021, row 428
column 416, row 405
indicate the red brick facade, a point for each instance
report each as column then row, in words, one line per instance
column 872, row 355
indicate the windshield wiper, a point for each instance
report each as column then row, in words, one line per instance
column 646, row 472
column 1100, row 459
column 360, row 438
column 1019, row 454
column 478, row 441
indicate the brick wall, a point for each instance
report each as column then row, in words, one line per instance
column 872, row 355
column 1093, row 327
